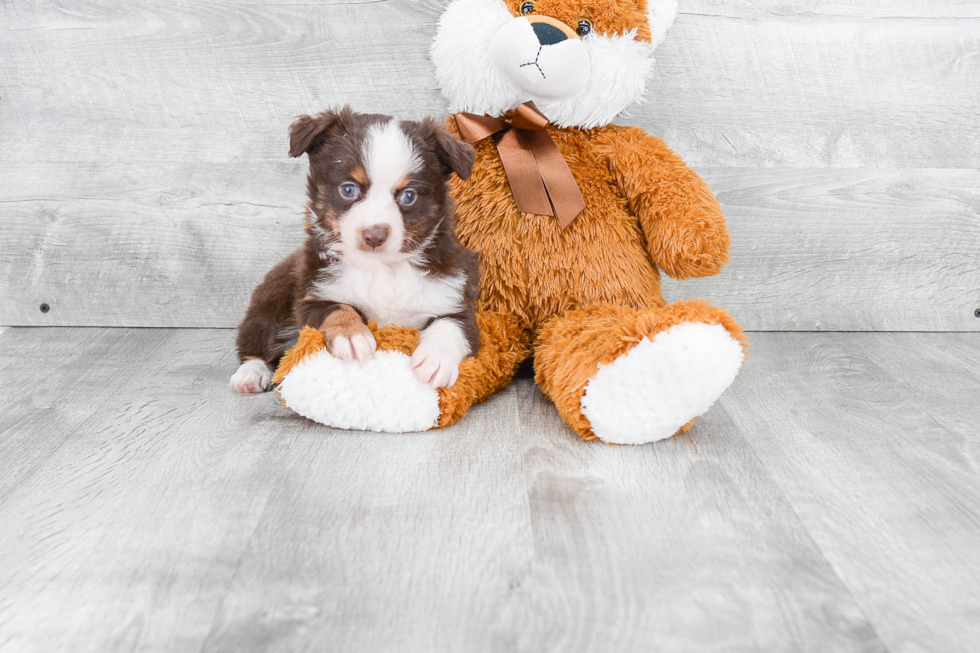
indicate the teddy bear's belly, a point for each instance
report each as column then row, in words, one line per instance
column 533, row 268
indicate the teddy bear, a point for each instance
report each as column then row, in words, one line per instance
column 574, row 218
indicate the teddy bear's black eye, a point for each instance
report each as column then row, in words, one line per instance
column 527, row 8
column 584, row 28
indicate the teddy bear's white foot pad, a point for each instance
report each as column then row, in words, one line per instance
column 660, row 385
column 381, row 394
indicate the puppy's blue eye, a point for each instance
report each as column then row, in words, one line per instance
column 584, row 28
column 527, row 8
column 350, row 190
column 407, row 197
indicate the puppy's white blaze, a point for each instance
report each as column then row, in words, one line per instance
column 389, row 156
column 399, row 293
column 252, row 376
column 441, row 349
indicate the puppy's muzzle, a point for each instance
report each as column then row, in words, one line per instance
column 375, row 236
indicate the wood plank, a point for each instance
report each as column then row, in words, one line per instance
column 387, row 542
column 857, row 250
column 127, row 534
column 812, row 249
column 607, row 552
column 200, row 81
column 767, row 84
column 946, row 378
column 686, row 545
column 137, row 252
column 881, row 470
column 143, row 180
column 809, row 11
column 770, row 85
column 604, row 534
column 356, row 529
column 829, row 503
column 756, row 91
column 37, row 368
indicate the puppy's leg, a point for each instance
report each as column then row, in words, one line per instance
column 256, row 345
column 443, row 346
column 346, row 335
column 252, row 376
column 260, row 340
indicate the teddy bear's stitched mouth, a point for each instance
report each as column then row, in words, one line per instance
column 535, row 62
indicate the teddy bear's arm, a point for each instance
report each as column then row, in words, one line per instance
column 681, row 219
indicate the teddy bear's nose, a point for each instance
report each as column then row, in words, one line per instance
column 548, row 34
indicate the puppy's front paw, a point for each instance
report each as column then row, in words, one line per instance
column 356, row 346
column 252, row 376
column 347, row 337
column 435, row 365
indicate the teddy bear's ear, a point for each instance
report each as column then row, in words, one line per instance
column 308, row 132
column 661, row 14
column 454, row 155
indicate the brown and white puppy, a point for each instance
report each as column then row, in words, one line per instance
column 380, row 246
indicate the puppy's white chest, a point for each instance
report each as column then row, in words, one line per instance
column 393, row 294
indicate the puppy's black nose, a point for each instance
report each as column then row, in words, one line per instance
column 548, row 34
column 375, row 236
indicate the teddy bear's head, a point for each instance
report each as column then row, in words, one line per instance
column 581, row 62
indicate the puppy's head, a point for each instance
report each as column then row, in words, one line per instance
column 377, row 185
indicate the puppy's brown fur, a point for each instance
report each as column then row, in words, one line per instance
column 344, row 321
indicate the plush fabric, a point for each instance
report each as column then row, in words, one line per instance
column 503, row 346
column 577, row 347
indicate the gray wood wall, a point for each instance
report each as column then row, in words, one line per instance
column 144, row 179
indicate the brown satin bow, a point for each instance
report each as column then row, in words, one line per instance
column 536, row 171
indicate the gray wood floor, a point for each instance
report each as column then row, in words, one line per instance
column 831, row 502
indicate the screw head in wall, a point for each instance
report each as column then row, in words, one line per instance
column 976, row 313
column 45, row 308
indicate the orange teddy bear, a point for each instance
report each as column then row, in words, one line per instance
column 572, row 217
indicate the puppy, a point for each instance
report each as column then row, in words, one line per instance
column 380, row 246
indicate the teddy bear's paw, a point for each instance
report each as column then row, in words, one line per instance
column 651, row 391
column 380, row 394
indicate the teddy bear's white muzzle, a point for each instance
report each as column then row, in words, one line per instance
column 541, row 58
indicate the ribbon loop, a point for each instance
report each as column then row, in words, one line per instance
column 537, row 172
column 528, row 117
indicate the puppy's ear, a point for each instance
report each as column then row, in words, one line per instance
column 454, row 155
column 308, row 132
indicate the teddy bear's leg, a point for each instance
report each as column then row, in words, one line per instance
column 383, row 394
column 628, row 376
